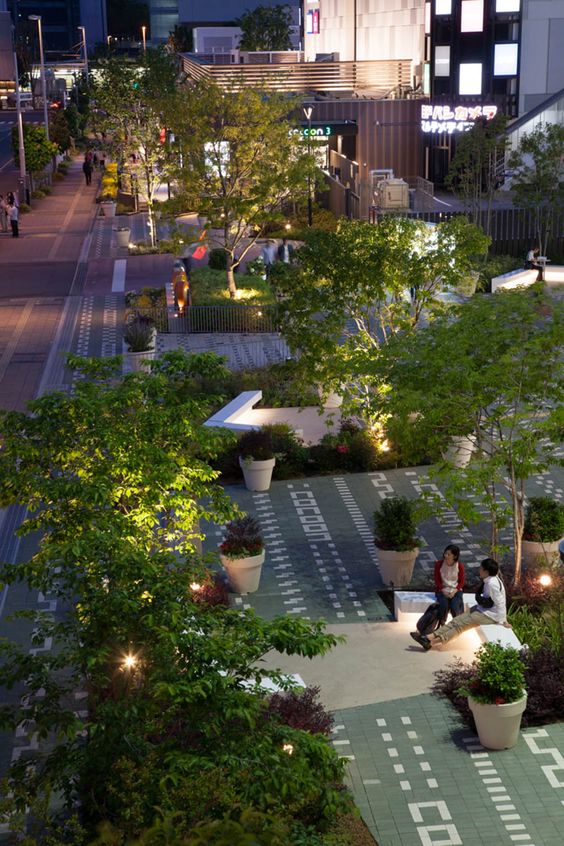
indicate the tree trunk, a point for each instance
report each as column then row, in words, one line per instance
column 231, row 278
column 152, row 227
column 518, row 497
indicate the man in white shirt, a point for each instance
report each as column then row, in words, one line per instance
column 490, row 609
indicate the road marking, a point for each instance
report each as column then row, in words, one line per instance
column 118, row 278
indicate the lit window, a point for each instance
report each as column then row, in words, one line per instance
column 472, row 17
column 507, row 5
column 442, row 61
column 443, row 7
column 427, row 18
column 505, row 59
column 470, row 78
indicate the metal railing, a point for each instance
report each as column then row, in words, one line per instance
column 375, row 76
column 223, row 319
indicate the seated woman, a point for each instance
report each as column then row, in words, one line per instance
column 449, row 580
column 532, row 264
column 490, row 609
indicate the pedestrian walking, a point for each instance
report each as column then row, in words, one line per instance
column 14, row 218
column 285, row 251
column 3, row 214
column 87, row 170
column 268, row 255
column 102, row 162
column 95, row 161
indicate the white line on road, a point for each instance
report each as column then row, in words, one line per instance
column 118, row 279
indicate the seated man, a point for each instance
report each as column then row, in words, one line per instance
column 490, row 610
column 531, row 262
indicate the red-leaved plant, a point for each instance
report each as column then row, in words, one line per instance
column 242, row 538
column 301, row 710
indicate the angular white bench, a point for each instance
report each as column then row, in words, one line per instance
column 514, row 279
column 230, row 413
column 554, row 274
column 409, row 605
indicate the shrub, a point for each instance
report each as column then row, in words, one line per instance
column 139, row 334
column 242, row 538
column 217, row 259
column 24, row 208
column 544, row 520
column 395, row 524
column 498, row 675
column 256, row 445
column 37, row 194
column 301, row 709
column 47, row 190
column 212, row 593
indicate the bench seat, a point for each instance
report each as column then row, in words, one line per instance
column 554, row 273
column 514, row 279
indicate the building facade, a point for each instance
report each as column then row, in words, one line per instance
column 60, row 20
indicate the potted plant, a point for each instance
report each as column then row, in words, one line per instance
column 257, row 459
column 496, row 695
column 122, row 236
column 139, row 338
column 242, row 554
column 398, row 546
column 543, row 530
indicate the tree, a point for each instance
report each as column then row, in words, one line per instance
column 181, row 39
column 115, row 478
column 59, row 131
column 39, row 151
column 241, row 160
column 131, row 101
column 266, row 28
column 349, row 293
column 538, row 182
column 474, row 172
column 490, row 371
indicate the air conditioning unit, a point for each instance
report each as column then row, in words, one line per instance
column 393, row 194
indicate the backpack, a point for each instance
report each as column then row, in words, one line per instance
column 430, row 620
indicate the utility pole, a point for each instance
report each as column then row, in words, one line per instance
column 43, row 77
column 85, row 51
column 23, row 194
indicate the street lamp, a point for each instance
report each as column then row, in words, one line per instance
column 144, row 37
column 43, row 77
column 308, row 111
column 85, row 51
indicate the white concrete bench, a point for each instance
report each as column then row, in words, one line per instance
column 514, row 279
column 230, row 413
column 409, row 605
column 554, row 274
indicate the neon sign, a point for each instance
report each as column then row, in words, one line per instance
column 312, row 132
column 436, row 119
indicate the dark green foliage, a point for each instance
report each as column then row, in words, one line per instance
column 498, row 676
column 59, row 131
column 217, row 259
column 302, row 710
column 395, row 524
column 266, row 28
column 256, row 445
column 181, row 39
column 544, row 520
column 38, row 150
column 139, row 334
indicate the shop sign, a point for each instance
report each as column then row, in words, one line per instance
column 449, row 119
column 312, row 131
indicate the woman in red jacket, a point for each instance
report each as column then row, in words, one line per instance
column 449, row 581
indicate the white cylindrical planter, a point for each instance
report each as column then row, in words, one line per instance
column 109, row 208
column 498, row 725
column 122, row 236
column 332, row 400
column 257, row 474
column 139, row 361
column 396, row 567
column 460, row 451
column 537, row 552
column 243, row 573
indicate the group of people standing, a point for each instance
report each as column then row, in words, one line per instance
column 92, row 162
column 271, row 253
column 9, row 212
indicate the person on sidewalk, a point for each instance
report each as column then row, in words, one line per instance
column 449, row 581
column 285, row 251
column 490, row 609
column 87, row 170
column 3, row 214
column 10, row 199
column 14, row 218
column 268, row 255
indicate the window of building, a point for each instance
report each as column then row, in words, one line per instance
column 442, row 61
column 443, row 7
column 470, row 79
column 505, row 59
column 472, row 16
column 507, row 5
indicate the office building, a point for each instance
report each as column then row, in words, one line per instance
column 60, row 21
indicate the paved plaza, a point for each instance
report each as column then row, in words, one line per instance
column 419, row 777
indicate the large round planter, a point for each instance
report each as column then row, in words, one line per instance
column 243, row 573
column 109, row 208
column 534, row 552
column 122, row 236
column 498, row 725
column 332, row 400
column 460, row 451
column 396, row 567
column 257, row 474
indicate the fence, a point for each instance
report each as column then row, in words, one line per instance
column 512, row 230
column 238, row 319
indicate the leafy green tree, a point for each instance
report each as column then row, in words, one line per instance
column 538, row 182
column 39, row 151
column 349, row 293
column 474, row 172
column 266, row 28
column 131, row 100
column 240, row 162
column 490, row 371
column 116, row 478
column 59, row 131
